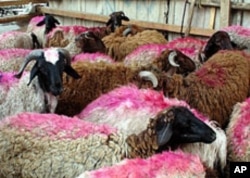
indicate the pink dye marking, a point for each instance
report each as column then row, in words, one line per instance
column 9, row 54
column 9, row 34
column 35, row 20
column 241, row 135
column 212, row 75
column 92, row 57
column 172, row 163
column 7, row 79
column 57, row 126
column 138, row 99
column 240, row 30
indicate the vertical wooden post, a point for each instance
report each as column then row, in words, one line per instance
column 190, row 17
column 225, row 7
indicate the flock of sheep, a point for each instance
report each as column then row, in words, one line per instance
column 122, row 101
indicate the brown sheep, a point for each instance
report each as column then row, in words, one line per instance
column 215, row 88
column 101, row 77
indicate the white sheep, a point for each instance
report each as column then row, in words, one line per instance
column 50, row 145
column 238, row 133
column 18, row 39
column 44, row 83
column 129, row 108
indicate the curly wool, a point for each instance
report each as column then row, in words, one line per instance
column 119, row 46
column 16, row 39
column 92, row 57
column 238, row 132
column 168, row 164
column 11, row 59
column 17, row 97
column 216, row 87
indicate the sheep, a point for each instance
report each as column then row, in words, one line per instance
column 18, row 39
column 41, row 92
column 98, row 78
column 50, row 145
column 167, row 164
column 92, row 57
column 239, row 36
column 215, row 88
column 120, row 46
column 127, row 107
column 238, row 133
column 12, row 58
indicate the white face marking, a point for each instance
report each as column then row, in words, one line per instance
column 51, row 55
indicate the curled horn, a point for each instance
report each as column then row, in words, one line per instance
column 171, row 59
column 147, row 75
column 86, row 35
column 66, row 55
column 33, row 55
column 127, row 31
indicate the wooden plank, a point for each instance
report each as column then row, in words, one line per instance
column 212, row 18
column 17, row 18
column 21, row 2
column 190, row 17
column 145, row 24
column 234, row 5
column 225, row 13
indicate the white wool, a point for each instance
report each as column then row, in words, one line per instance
column 51, row 55
column 20, row 97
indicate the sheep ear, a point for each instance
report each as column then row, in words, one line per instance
column 33, row 73
column 125, row 18
column 41, row 23
column 71, row 72
column 164, row 135
column 109, row 22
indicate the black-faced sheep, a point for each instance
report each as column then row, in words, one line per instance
column 99, row 78
column 44, row 83
column 50, row 145
column 215, row 88
column 129, row 108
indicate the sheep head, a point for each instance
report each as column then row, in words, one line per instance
column 174, row 61
column 115, row 20
column 90, row 43
column 50, row 23
column 220, row 40
column 174, row 125
column 49, row 66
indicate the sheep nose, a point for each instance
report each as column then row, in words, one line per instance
column 212, row 136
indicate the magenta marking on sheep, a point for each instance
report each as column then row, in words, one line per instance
column 7, row 79
column 35, row 20
column 240, row 30
column 240, row 140
column 135, row 99
column 167, row 163
column 62, row 126
column 212, row 80
column 92, row 57
column 7, row 54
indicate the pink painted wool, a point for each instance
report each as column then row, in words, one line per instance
column 134, row 99
column 6, row 54
column 240, row 30
column 187, row 42
column 92, row 57
column 166, row 164
column 241, row 130
column 7, row 79
column 35, row 20
column 57, row 126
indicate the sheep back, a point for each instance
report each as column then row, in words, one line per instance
column 96, row 79
column 166, row 164
column 119, row 46
column 50, row 145
column 238, row 133
column 214, row 89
